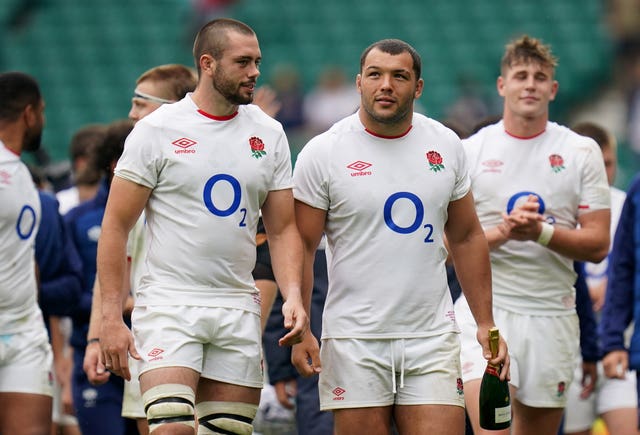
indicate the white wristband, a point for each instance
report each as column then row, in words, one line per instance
column 545, row 235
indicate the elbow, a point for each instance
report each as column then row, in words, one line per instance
column 598, row 254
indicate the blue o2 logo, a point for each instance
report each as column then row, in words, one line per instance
column 512, row 201
column 207, row 196
column 26, row 222
column 419, row 216
column 541, row 209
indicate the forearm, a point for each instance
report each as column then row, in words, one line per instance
column 580, row 244
column 287, row 261
column 471, row 261
column 111, row 272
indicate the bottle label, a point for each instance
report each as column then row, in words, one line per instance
column 503, row 414
column 491, row 370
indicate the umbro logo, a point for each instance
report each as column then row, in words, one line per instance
column 338, row 392
column 184, row 143
column 155, row 354
column 492, row 165
column 360, row 168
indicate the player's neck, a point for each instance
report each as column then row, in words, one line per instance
column 388, row 131
column 213, row 103
column 524, row 127
column 11, row 138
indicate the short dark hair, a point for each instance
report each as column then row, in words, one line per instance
column 596, row 132
column 394, row 47
column 212, row 38
column 17, row 91
column 110, row 149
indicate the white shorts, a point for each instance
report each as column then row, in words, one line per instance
column 26, row 362
column 132, row 404
column 610, row 394
column 223, row 344
column 361, row 373
column 543, row 351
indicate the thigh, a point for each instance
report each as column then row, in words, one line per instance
column 26, row 363
column 209, row 390
column 546, row 349
column 363, row 421
column 170, row 336
column 579, row 413
column 25, row 413
column 529, row 420
column 356, row 374
column 233, row 352
column 430, row 419
column 427, row 371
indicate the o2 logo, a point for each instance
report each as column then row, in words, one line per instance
column 26, row 222
column 207, row 196
column 524, row 195
column 417, row 222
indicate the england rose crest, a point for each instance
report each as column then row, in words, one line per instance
column 435, row 161
column 257, row 147
column 557, row 163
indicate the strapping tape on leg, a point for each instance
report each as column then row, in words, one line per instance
column 228, row 418
column 169, row 403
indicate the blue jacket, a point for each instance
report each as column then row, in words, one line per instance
column 84, row 222
column 622, row 302
column 588, row 325
column 58, row 261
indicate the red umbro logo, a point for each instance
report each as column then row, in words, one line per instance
column 338, row 392
column 155, row 354
column 184, row 143
column 360, row 167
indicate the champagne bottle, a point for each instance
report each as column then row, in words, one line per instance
column 495, row 402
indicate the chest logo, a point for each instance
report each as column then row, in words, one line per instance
column 435, row 161
column 257, row 147
column 184, row 143
column 360, row 168
column 557, row 162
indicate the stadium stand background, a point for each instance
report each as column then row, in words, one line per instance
column 87, row 54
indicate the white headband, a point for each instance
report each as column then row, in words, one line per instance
column 138, row 94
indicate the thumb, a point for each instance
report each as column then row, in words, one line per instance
column 133, row 351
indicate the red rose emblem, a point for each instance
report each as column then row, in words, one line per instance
column 557, row 163
column 435, row 161
column 257, row 147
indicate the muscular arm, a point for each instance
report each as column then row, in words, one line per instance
column 125, row 203
column 470, row 252
column 588, row 242
column 310, row 220
column 287, row 259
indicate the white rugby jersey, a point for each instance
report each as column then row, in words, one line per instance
column 386, row 201
column 19, row 222
column 209, row 177
column 566, row 171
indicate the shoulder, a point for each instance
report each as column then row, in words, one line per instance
column 564, row 135
column 254, row 114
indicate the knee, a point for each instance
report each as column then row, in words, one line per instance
column 225, row 418
column 169, row 404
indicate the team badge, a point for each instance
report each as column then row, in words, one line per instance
column 459, row 387
column 561, row 388
column 435, row 161
column 556, row 162
column 257, row 147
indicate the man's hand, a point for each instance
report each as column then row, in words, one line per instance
column 616, row 364
column 286, row 392
column 502, row 358
column 589, row 378
column 523, row 223
column 116, row 343
column 295, row 320
column 305, row 356
column 93, row 366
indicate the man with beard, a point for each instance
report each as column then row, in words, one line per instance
column 26, row 380
column 202, row 168
column 386, row 185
